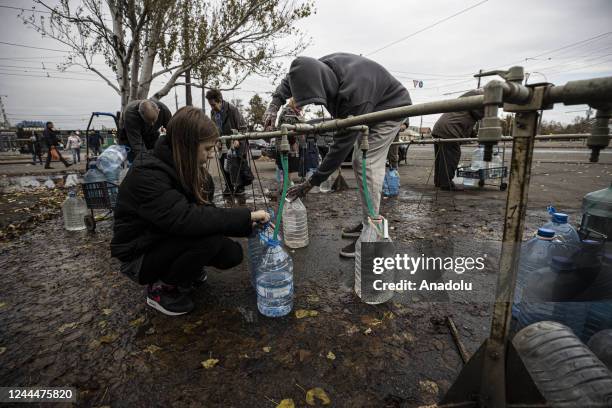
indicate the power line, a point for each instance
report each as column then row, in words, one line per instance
column 23, row 9
column 427, row 27
column 36, row 70
column 36, row 48
column 571, row 45
column 50, row 77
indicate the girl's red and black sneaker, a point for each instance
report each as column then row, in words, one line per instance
column 168, row 300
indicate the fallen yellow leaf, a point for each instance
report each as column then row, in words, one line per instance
column 152, row 348
column 109, row 338
column 388, row 315
column 2, row 304
column 368, row 331
column 331, row 356
column 429, row 387
column 210, row 363
column 106, row 312
column 66, row 326
column 267, row 349
column 286, row 403
column 137, row 322
column 102, row 323
column 188, row 327
column 319, row 394
column 2, row 350
column 312, row 298
column 302, row 313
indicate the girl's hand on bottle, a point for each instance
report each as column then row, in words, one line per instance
column 260, row 216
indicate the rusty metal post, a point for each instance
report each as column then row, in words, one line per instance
column 493, row 384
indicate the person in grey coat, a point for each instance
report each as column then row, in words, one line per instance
column 233, row 163
column 452, row 125
column 346, row 84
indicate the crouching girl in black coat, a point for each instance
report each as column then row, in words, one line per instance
column 166, row 227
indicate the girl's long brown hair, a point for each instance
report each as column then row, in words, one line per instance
column 186, row 130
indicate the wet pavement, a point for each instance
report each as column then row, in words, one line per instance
column 67, row 317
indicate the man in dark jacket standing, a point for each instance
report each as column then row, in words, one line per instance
column 346, row 84
column 50, row 140
column 452, row 125
column 228, row 117
column 141, row 121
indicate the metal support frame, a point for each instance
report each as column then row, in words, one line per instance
column 483, row 380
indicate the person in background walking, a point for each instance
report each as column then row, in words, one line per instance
column 74, row 144
column 94, row 141
column 50, row 139
column 36, row 148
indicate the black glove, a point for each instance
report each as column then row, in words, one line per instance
column 299, row 190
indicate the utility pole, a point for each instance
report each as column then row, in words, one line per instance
column 5, row 122
column 175, row 99
column 421, row 127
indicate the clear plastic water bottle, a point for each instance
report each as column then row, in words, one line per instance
column 74, row 210
column 550, row 295
column 563, row 230
column 535, row 254
column 256, row 246
column 295, row 224
column 371, row 233
column 274, row 282
column 391, row 183
column 477, row 163
column 94, row 175
column 110, row 162
column 326, row 186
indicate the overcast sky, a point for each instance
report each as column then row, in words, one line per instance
column 493, row 34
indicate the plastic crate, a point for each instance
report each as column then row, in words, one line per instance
column 100, row 195
column 482, row 174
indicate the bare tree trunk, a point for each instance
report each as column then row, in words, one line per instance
column 188, row 100
column 134, row 73
column 122, row 68
column 148, row 59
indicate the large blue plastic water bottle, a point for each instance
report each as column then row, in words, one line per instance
column 535, row 254
column 275, row 281
column 563, row 230
column 256, row 247
column 391, row 184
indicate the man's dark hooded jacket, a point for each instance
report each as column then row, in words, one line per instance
column 346, row 84
column 138, row 135
column 455, row 125
column 153, row 205
column 231, row 118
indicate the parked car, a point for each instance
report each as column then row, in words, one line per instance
column 257, row 147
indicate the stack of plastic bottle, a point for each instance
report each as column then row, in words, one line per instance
column 74, row 210
column 295, row 224
column 274, row 281
column 391, row 183
column 496, row 164
column 370, row 233
column 110, row 162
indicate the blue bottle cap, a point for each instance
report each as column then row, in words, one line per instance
column 559, row 218
column 545, row 233
column 561, row 263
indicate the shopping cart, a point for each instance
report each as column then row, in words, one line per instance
column 99, row 195
column 490, row 173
